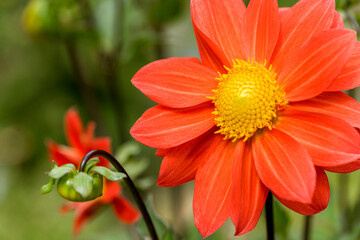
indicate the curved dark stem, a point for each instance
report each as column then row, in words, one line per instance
column 269, row 217
column 307, row 228
column 128, row 181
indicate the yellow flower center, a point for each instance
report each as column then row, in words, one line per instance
column 246, row 100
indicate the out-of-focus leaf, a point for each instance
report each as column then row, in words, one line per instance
column 126, row 150
column 83, row 184
column 281, row 220
column 353, row 235
column 54, row 18
column 169, row 235
column 144, row 183
column 105, row 12
column 165, row 11
column 136, row 167
column 107, row 173
column 58, row 172
column 162, row 230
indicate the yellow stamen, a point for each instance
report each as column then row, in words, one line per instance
column 247, row 99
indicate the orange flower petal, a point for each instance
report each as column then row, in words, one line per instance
column 248, row 192
column 84, row 212
column 210, row 54
column 284, row 166
column 336, row 104
column 330, row 141
column 103, row 143
column 212, row 194
column 63, row 154
column 74, row 129
column 161, row 127
column 181, row 163
column 161, row 152
column 88, row 135
column 320, row 198
column 345, row 168
column 338, row 21
column 125, row 211
column 176, row 82
column 220, row 21
column 111, row 191
column 298, row 24
column 349, row 77
column 313, row 67
column 260, row 29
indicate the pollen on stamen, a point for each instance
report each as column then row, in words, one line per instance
column 246, row 100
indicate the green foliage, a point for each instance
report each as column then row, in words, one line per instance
column 128, row 154
column 164, row 11
column 54, row 18
column 163, row 231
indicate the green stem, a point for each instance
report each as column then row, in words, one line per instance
column 128, row 181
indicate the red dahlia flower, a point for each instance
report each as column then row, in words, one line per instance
column 81, row 142
column 263, row 109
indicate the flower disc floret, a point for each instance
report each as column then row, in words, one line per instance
column 246, row 100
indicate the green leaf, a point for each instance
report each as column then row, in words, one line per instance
column 107, row 173
column 48, row 187
column 83, row 184
column 105, row 14
column 91, row 163
column 144, row 183
column 136, row 167
column 58, row 172
column 127, row 150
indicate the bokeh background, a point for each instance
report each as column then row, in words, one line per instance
column 83, row 53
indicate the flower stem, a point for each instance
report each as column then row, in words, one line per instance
column 307, row 227
column 269, row 217
column 128, row 181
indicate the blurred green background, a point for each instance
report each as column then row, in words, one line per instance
column 83, row 53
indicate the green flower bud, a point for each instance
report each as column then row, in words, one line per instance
column 80, row 186
column 69, row 188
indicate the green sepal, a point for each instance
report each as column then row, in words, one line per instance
column 57, row 172
column 48, row 187
column 107, row 173
column 91, row 163
column 83, row 184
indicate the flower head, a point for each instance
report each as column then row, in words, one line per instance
column 263, row 109
column 82, row 141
